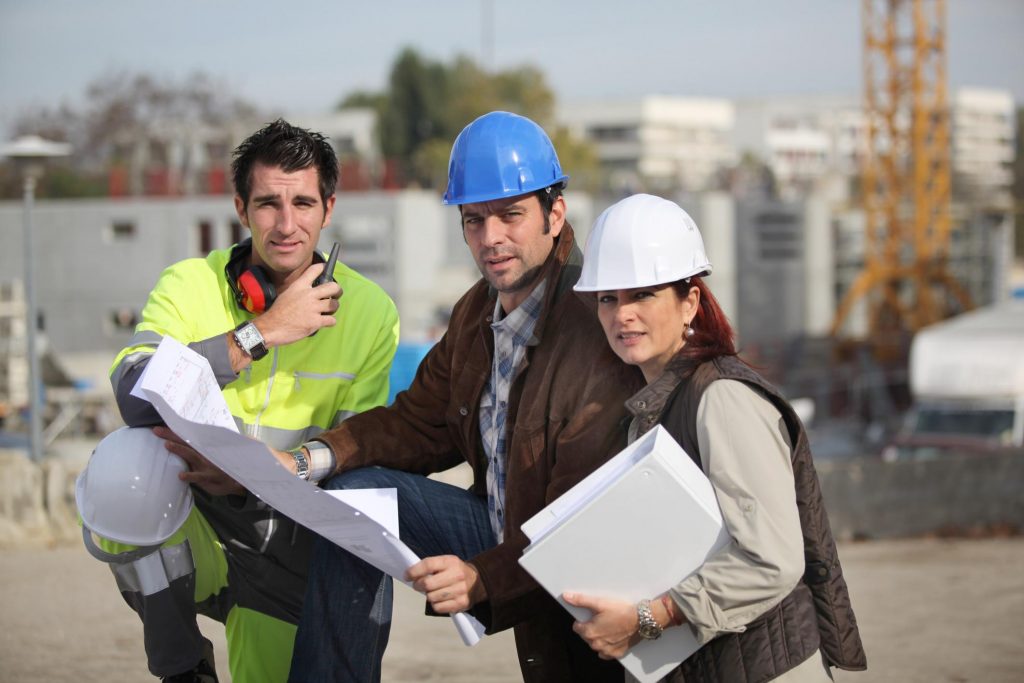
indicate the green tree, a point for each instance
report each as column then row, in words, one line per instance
column 427, row 104
column 361, row 99
column 413, row 108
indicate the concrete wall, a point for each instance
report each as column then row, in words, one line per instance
column 37, row 500
column 95, row 257
column 874, row 499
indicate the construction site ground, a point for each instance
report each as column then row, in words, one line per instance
column 929, row 610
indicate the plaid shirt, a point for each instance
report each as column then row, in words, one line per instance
column 512, row 333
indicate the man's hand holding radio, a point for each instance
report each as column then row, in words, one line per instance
column 298, row 312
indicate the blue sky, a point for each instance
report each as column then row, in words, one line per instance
column 303, row 56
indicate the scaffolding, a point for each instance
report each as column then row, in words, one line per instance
column 13, row 359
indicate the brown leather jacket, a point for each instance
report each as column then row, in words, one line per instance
column 565, row 419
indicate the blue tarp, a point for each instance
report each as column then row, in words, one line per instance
column 403, row 370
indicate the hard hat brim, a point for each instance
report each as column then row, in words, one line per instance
column 611, row 287
column 509, row 193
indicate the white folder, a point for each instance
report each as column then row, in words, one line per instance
column 635, row 527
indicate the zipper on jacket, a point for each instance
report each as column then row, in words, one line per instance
column 266, row 398
column 272, row 517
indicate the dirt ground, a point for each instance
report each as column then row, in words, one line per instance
column 929, row 610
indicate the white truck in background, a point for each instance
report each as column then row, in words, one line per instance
column 967, row 384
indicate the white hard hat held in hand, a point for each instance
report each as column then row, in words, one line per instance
column 130, row 491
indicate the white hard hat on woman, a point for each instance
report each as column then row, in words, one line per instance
column 642, row 241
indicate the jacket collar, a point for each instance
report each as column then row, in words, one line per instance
column 651, row 400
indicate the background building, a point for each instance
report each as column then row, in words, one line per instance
column 983, row 132
column 656, row 144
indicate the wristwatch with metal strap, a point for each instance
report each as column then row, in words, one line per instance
column 647, row 627
column 301, row 463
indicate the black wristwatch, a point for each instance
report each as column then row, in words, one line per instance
column 250, row 340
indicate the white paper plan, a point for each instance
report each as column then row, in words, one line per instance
column 185, row 380
column 181, row 386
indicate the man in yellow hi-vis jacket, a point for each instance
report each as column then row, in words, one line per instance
column 293, row 357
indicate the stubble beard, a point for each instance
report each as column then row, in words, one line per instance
column 526, row 280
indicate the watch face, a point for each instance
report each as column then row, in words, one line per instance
column 251, row 341
column 647, row 627
column 650, row 631
column 248, row 336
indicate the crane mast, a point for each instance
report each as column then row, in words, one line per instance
column 906, row 178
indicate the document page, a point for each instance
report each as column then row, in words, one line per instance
column 185, row 380
column 177, row 383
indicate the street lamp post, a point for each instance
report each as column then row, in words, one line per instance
column 30, row 153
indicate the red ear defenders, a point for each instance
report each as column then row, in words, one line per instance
column 254, row 291
column 251, row 285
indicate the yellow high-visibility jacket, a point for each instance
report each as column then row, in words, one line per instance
column 286, row 398
column 295, row 391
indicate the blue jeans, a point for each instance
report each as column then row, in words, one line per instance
column 346, row 618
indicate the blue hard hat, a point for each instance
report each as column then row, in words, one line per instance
column 501, row 155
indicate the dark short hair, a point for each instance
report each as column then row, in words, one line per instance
column 289, row 147
column 548, row 196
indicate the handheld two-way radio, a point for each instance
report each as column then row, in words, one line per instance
column 328, row 273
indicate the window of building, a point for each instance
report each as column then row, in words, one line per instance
column 778, row 235
column 613, row 133
column 124, row 319
column 121, row 231
column 344, row 146
column 205, row 229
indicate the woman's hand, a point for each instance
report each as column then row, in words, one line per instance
column 612, row 629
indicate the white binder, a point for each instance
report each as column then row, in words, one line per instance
column 635, row 527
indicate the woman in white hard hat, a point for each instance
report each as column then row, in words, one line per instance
column 770, row 600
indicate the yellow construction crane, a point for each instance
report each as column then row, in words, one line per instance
column 906, row 174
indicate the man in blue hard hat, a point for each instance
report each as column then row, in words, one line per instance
column 523, row 387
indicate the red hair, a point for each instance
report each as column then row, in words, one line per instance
column 713, row 336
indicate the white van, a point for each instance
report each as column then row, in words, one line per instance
column 967, row 381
